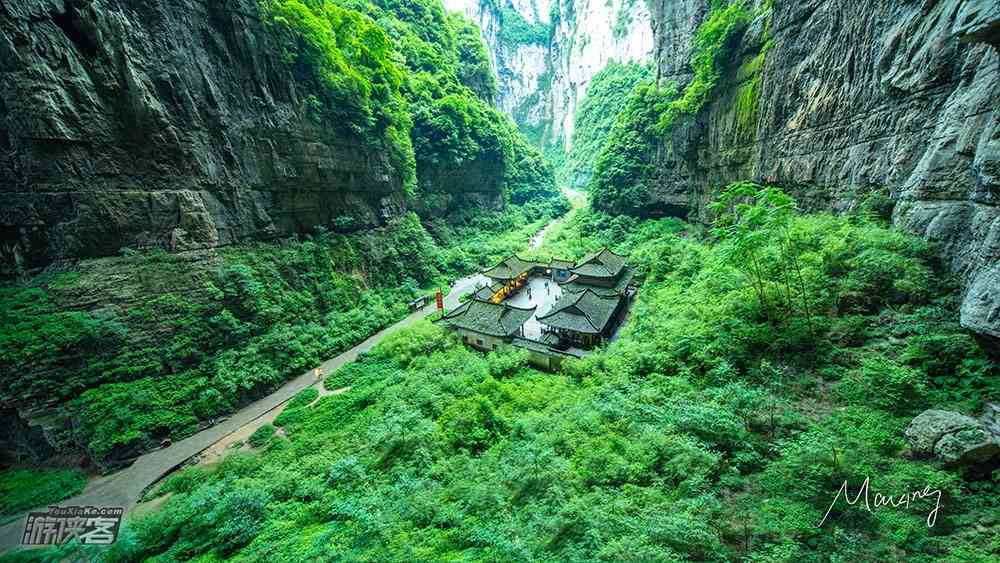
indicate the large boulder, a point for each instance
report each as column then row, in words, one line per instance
column 955, row 438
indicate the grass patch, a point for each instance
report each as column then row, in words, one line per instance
column 22, row 489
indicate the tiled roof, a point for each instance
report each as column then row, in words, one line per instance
column 600, row 264
column 494, row 319
column 558, row 264
column 509, row 268
column 586, row 312
column 573, row 285
column 485, row 293
column 544, row 348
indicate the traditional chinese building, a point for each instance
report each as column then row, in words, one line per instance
column 509, row 275
column 590, row 304
column 585, row 319
column 594, row 301
column 560, row 269
column 484, row 324
column 601, row 269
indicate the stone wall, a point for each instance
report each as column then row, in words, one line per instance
column 893, row 97
column 166, row 123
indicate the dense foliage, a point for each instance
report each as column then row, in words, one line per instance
column 222, row 328
column 719, row 426
column 623, row 168
column 352, row 59
column 606, row 97
column 723, row 22
column 474, row 68
column 21, row 489
column 226, row 328
column 405, row 72
column 516, row 31
column 623, row 171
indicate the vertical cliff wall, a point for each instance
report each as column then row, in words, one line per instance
column 517, row 34
column 587, row 35
column 170, row 123
column 545, row 53
column 834, row 100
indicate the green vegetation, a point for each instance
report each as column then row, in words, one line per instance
column 710, row 42
column 623, row 168
column 623, row 171
column 475, row 240
column 516, row 31
column 182, row 339
column 21, row 489
column 228, row 326
column 262, row 435
column 747, row 98
column 404, row 75
column 718, row 427
column 474, row 68
column 596, row 115
column 303, row 398
column 351, row 57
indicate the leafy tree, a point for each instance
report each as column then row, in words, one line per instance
column 623, row 172
column 749, row 217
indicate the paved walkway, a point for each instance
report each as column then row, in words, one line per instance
column 542, row 296
column 126, row 486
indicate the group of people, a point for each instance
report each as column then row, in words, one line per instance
column 548, row 290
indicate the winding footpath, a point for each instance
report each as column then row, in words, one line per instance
column 125, row 487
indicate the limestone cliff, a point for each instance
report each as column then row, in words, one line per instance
column 587, row 35
column 893, row 97
column 545, row 53
column 517, row 34
column 167, row 123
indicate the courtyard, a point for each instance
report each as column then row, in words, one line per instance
column 543, row 295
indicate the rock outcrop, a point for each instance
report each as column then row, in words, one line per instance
column 167, row 123
column 954, row 438
column 852, row 98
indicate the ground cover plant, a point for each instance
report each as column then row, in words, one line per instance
column 718, row 427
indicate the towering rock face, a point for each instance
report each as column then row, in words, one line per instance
column 171, row 123
column 587, row 35
column 899, row 98
column 517, row 34
column 545, row 52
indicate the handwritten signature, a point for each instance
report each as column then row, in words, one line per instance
column 877, row 500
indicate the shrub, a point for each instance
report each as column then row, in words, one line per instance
column 303, row 398
column 884, row 383
column 238, row 518
column 471, row 424
column 21, row 489
column 262, row 435
column 185, row 480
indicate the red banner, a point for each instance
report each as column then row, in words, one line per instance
column 440, row 300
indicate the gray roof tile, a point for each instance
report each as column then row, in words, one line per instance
column 600, row 264
column 586, row 312
column 487, row 318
